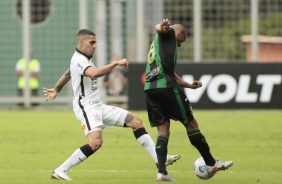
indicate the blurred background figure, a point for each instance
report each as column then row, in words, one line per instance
column 115, row 82
column 34, row 70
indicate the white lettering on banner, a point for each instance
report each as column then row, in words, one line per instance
column 195, row 97
column 222, row 97
column 243, row 87
column 240, row 91
column 267, row 82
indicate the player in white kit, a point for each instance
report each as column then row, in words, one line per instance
column 90, row 111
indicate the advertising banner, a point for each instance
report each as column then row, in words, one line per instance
column 225, row 85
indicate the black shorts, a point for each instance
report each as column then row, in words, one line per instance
column 168, row 103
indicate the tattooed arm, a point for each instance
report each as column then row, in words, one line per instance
column 53, row 92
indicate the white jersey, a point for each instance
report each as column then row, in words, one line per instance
column 87, row 105
column 84, row 88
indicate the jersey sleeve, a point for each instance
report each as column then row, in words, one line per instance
column 82, row 66
column 169, row 34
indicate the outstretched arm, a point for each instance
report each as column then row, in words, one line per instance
column 53, row 92
column 163, row 26
column 101, row 71
column 182, row 83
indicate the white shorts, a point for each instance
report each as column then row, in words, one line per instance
column 97, row 117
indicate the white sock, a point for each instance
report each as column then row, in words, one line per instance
column 149, row 145
column 76, row 158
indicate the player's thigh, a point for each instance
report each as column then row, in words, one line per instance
column 90, row 118
column 178, row 106
column 114, row 116
column 133, row 121
column 154, row 101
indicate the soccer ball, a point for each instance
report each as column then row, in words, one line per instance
column 200, row 169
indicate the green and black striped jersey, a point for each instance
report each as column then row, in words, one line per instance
column 161, row 61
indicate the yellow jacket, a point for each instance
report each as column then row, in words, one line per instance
column 33, row 81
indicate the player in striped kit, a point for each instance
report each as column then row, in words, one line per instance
column 165, row 98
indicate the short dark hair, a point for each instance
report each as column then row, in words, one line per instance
column 83, row 32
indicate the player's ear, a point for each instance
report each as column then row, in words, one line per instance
column 182, row 34
column 80, row 41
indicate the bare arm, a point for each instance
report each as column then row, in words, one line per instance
column 90, row 72
column 101, row 71
column 182, row 83
column 62, row 81
column 53, row 92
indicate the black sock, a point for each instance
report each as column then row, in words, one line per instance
column 138, row 133
column 161, row 150
column 86, row 150
column 198, row 140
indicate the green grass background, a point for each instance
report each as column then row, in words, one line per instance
column 33, row 143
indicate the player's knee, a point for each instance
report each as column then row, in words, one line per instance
column 137, row 123
column 95, row 144
column 164, row 132
column 164, row 128
column 134, row 122
column 192, row 124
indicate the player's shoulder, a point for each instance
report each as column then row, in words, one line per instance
column 78, row 55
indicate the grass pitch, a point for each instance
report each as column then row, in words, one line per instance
column 33, row 143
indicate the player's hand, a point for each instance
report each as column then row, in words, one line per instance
column 50, row 93
column 123, row 62
column 196, row 84
column 165, row 23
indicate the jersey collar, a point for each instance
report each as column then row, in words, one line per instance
column 82, row 54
